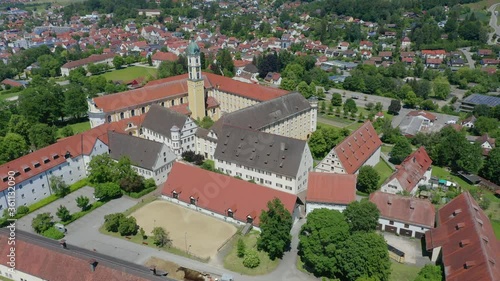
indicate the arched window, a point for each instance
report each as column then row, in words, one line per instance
column 122, row 115
column 172, row 102
column 182, row 100
column 109, row 118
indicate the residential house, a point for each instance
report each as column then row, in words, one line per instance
column 407, row 216
column 486, row 62
column 434, row 54
column 416, row 121
column 365, row 45
column 221, row 196
column 160, row 57
column 484, row 52
column 95, row 59
column 469, row 122
column 433, row 62
column 278, row 162
column 172, row 128
column 273, row 78
column 387, row 55
column 330, row 191
column 149, row 12
column 360, row 148
column 343, row 46
column 464, row 241
column 413, row 172
column 405, row 43
column 486, row 143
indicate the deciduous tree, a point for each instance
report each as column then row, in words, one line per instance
column 336, row 99
column 82, row 202
column 492, row 166
column 430, row 272
column 362, row 216
column 161, row 237
column 394, row 107
column 101, row 169
column 63, row 213
column 58, row 186
column 108, row 190
column 42, row 135
column 42, row 222
column 350, row 106
column 401, row 150
column 12, row 146
column 368, row 179
column 275, row 225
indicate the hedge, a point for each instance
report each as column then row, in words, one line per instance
column 51, row 198
column 53, row 233
column 140, row 193
column 78, row 215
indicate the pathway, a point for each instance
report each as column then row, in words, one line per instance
column 493, row 24
column 470, row 61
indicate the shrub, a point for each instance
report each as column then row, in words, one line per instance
column 112, row 221
column 241, row 248
column 63, row 213
column 128, row 226
column 485, row 203
column 53, row 233
column 23, row 210
column 251, row 259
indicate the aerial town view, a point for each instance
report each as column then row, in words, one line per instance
column 224, row 140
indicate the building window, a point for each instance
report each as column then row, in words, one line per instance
column 32, row 191
column 182, row 100
column 391, row 222
column 407, row 225
column 122, row 115
column 172, row 102
column 109, row 119
column 22, row 196
column 143, row 110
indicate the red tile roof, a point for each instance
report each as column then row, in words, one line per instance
column 405, row 209
column 331, row 188
column 422, row 113
column 466, row 236
column 91, row 59
column 357, row 148
column 56, row 265
column 433, row 52
column 218, row 193
column 412, row 169
column 12, row 83
column 226, row 84
column 76, row 145
column 164, row 56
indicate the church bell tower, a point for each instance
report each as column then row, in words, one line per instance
column 196, row 87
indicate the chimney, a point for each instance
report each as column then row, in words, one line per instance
column 93, row 264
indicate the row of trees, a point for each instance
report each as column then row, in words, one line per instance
column 345, row 245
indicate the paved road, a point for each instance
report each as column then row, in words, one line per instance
column 85, row 233
column 24, row 223
column 468, row 56
column 493, row 24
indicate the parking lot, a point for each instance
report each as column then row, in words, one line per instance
column 410, row 246
column 68, row 201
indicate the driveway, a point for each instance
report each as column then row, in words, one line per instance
column 468, row 56
column 24, row 223
column 410, row 246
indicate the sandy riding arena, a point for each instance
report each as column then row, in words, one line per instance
column 191, row 231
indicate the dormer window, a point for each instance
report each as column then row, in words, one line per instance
column 469, row 264
column 26, row 168
column 460, row 225
column 6, row 178
column 175, row 194
column 249, row 219
column 230, row 213
column 192, row 200
column 67, row 155
column 464, row 243
column 55, row 156
column 45, row 160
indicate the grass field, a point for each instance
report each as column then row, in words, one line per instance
column 234, row 263
column 386, row 149
column 129, row 73
column 383, row 170
column 77, row 128
column 194, row 232
column 483, row 4
column 403, row 272
column 5, row 94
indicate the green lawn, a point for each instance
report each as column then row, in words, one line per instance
column 483, row 4
column 354, row 126
column 5, row 278
column 384, row 170
column 337, row 119
column 77, row 128
column 129, row 73
column 403, row 272
column 234, row 263
column 386, row 149
column 496, row 228
column 5, row 94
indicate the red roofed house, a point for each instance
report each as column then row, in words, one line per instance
column 464, row 242
column 67, row 158
column 415, row 170
column 330, row 191
column 487, row 143
column 44, row 259
column 362, row 147
column 160, row 57
column 221, row 196
column 408, row 216
column 95, row 59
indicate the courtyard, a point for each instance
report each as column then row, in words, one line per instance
column 196, row 233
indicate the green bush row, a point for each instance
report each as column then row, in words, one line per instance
column 45, row 201
column 80, row 214
column 53, row 233
column 140, row 193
